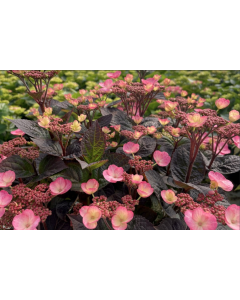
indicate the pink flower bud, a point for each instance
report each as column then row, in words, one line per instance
column 198, row 219
column 90, row 187
column 161, row 158
column 136, row 178
column 60, row 186
column 7, row 178
column 151, row 129
column 91, row 215
column 114, row 75
column 121, row 217
column 236, row 141
column 234, row 115
column 232, row 216
column 130, row 148
column 168, row 196
column 137, row 119
column 113, row 174
column 195, row 120
column 18, row 132
column 5, row 199
column 145, row 189
column 26, row 221
column 222, row 182
column 163, row 121
column 222, row 103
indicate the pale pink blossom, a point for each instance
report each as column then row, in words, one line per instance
column 114, row 75
column 137, row 119
column 113, row 173
column 92, row 106
column 175, row 132
column 17, row 132
column 225, row 149
column 82, row 92
column 117, row 127
column 26, row 221
column 169, row 196
column 222, row 103
column 130, row 148
column 169, row 105
column 91, row 215
column 58, row 86
column 129, row 78
column 151, row 129
column 106, row 85
column 145, row 189
column 195, row 120
column 218, row 180
column 105, row 129
column 82, row 118
column 161, row 158
column 137, row 135
column 157, row 77
column 122, row 84
column 7, row 178
column 90, row 187
column 200, row 104
column 43, row 121
column 232, row 216
column 137, row 178
column 60, row 186
column 113, row 144
column 163, row 121
column 148, row 87
column 184, row 93
column 5, row 199
column 236, row 141
column 121, row 217
column 166, row 81
column 234, row 115
column 198, row 219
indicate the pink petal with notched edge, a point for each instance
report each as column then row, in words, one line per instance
column 137, row 178
column 2, row 211
column 130, row 148
column 5, row 198
column 60, row 186
column 161, row 158
column 223, row 183
column 17, row 132
column 144, row 189
column 198, row 219
column 26, row 220
column 168, row 196
column 83, row 210
column 222, row 103
column 7, row 178
column 232, row 216
column 121, row 217
column 114, row 75
column 92, row 225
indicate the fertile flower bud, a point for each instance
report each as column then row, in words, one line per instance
column 82, row 118
column 234, row 115
column 76, row 127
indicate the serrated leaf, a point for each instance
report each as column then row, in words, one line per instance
column 227, row 164
column 118, row 159
column 74, row 148
column 171, row 224
column 150, row 121
column 146, row 146
column 31, row 128
column 49, row 166
column 156, row 181
column 48, row 146
column 140, row 223
column 180, row 163
column 93, row 143
column 20, row 166
column 105, row 120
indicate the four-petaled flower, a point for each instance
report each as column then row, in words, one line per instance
column 234, row 115
column 114, row 75
column 90, row 187
column 144, row 189
column 137, row 178
column 60, row 186
column 130, row 148
column 218, row 180
column 198, row 219
column 113, row 174
column 7, row 178
column 168, row 196
column 195, row 120
column 222, row 103
column 26, row 221
column 90, row 215
column 232, row 216
column 121, row 217
column 161, row 158
column 106, row 86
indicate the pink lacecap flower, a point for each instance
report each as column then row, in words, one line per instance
column 166, row 81
column 225, row 149
column 5, row 199
column 114, row 75
column 60, row 186
column 236, row 141
column 26, row 221
column 184, row 93
column 90, row 187
column 7, row 178
column 137, row 178
column 144, row 189
column 198, row 219
column 219, row 180
column 169, row 105
column 91, row 215
column 234, row 115
column 163, row 121
column 232, row 216
column 151, row 129
column 130, row 148
column 222, row 103
column 2, row 157
column 113, row 174
column 161, row 158
column 17, row 132
column 195, row 120
column 137, row 119
column 121, row 217
column 106, row 85
column 169, row 196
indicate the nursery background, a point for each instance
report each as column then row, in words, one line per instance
column 209, row 85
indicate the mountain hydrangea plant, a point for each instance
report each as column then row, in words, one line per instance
column 86, row 164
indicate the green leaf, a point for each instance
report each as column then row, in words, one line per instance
column 97, row 164
column 20, row 166
column 93, row 143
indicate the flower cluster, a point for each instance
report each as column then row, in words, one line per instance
column 140, row 164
